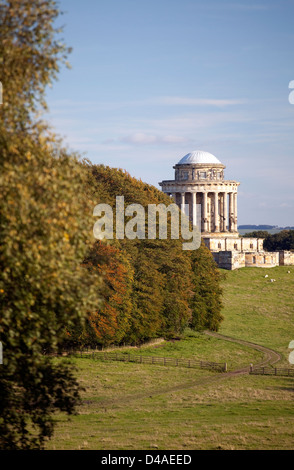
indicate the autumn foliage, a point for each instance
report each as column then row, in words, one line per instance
column 109, row 322
column 58, row 286
column 150, row 288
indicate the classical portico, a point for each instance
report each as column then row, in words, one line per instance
column 199, row 183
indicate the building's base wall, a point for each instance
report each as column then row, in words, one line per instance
column 229, row 259
column 238, row 259
column 236, row 243
column 262, row 259
column 237, row 252
column 286, row 258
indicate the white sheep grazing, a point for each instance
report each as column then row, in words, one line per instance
column 288, row 272
column 266, row 275
column 272, row 280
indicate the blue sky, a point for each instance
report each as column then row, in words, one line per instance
column 152, row 80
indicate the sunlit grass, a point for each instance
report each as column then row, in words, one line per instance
column 139, row 406
column 258, row 310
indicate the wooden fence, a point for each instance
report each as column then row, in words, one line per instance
column 272, row 371
column 159, row 360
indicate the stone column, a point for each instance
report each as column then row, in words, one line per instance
column 231, row 213
column 205, row 211
column 235, row 212
column 216, row 212
column 225, row 213
column 183, row 202
column 194, row 209
column 221, row 212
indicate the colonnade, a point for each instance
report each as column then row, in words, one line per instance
column 218, row 209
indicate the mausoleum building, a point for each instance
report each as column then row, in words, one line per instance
column 212, row 201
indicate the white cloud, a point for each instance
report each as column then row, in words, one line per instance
column 174, row 139
column 188, row 101
column 142, row 138
column 235, row 6
column 61, row 106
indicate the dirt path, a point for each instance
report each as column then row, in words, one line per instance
column 270, row 357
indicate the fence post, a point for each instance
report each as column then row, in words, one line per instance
column 226, row 367
column 251, row 368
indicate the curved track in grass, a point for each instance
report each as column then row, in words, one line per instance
column 270, row 357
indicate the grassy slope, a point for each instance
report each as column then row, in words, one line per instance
column 199, row 346
column 259, row 310
column 133, row 406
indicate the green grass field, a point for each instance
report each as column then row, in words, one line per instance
column 258, row 310
column 138, row 406
column 199, row 346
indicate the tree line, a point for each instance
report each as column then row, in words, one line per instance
column 149, row 288
column 58, row 286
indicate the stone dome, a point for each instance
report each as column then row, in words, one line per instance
column 199, row 156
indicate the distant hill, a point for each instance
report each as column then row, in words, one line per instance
column 257, row 227
column 264, row 227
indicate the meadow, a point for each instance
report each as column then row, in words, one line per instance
column 139, row 406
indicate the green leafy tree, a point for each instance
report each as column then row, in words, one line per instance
column 171, row 288
column 257, row 234
column 280, row 241
column 31, row 54
column 176, row 266
column 161, row 269
column 148, row 292
column 109, row 322
column 206, row 302
column 45, row 232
